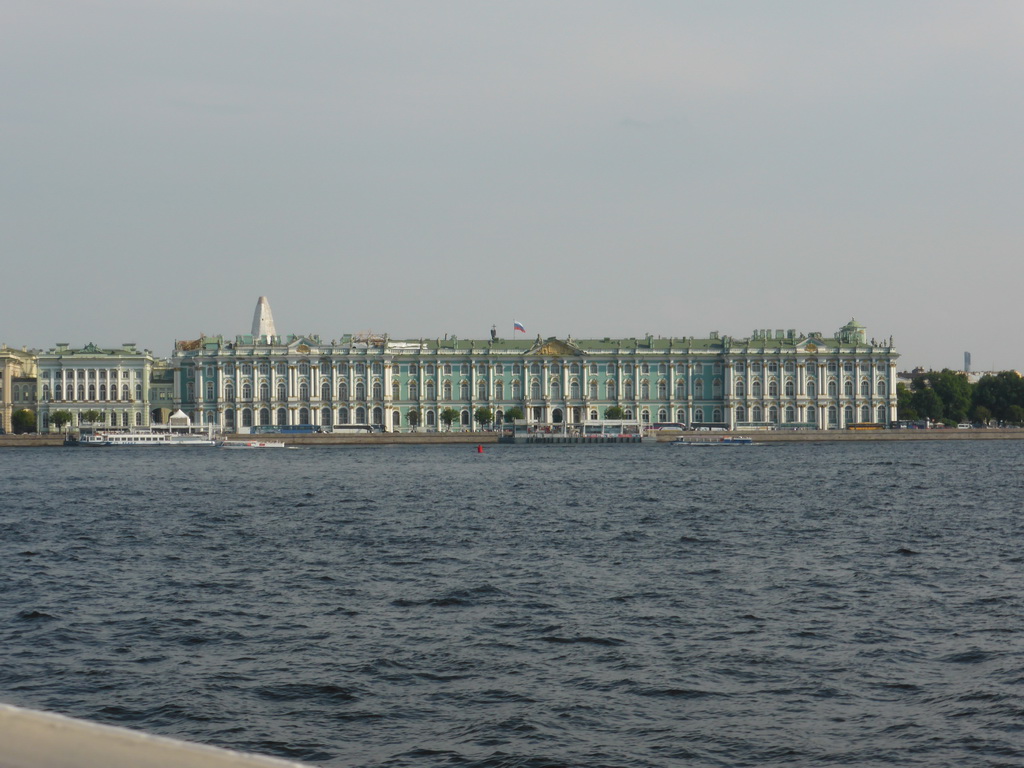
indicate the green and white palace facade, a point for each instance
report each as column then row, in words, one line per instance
column 772, row 379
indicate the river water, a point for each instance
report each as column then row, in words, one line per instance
column 644, row 605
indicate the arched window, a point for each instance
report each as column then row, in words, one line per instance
column 593, row 389
column 812, row 388
column 741, row 413
column 610, row 389
column 325, row 417
column 865, row 413
column 698, row 415
column 865, row 388
column 698, row 389
column 681, row 415
column 464, row 418
column 881, row 415
column 430, row 419
column 343, row 415
column 481, row 390
column 716, row 390
column 103, row 391
column 463, row 390
column 282, row 391
column 790, row 414
column 396, row 392
column 304, row 391
column 716, row 415
column 325, row 390
column 209, row 390
column 264, row 417
column 848, row 414
column 360, row 390
column 645, row 390
column 229, row 418
column 663, row 390
column 556, row 389
column 343, row 390
column 303, row 416
column 535, row 388
column 282, row 417
column 414, row 390
column 446, row 391
column 378, row 390
column 680, row 389
column 790, row 388
column 378, row 415
column 431, row 390
column 832, row 388
column 574, row 389
column 741, row 388
column 499, row 390
column 138, row 419
column 360, row 415
column 880, row 387
column 246, row 417
column 848, row 388
column 773, row 415
column 773, row 388
column 755, row 413
column 517, row 390
column 833, row 415
column 627, row 389
column 812, row 414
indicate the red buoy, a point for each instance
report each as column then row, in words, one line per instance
column 479, row 449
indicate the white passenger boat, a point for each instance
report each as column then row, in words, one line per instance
column 709, row 442
column 100, row 438
column 236, row 444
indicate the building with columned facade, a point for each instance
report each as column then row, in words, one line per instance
column 17, row 383
column 769, row 380
column 113, row 382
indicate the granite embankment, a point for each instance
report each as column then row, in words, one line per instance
column 483, row 438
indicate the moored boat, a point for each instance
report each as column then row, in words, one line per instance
column 708, row 442
column 255, row 444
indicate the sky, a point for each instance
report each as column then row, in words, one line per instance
column 584, row 167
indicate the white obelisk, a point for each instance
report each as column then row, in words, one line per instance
column 262, row 320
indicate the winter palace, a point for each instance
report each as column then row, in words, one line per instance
column 773, row 379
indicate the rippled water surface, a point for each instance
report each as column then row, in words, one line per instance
column 813, row 604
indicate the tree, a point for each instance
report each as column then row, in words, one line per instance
column 927, row 404
column 23, row 422
column 982, row 414
column 1015, row 414
column 904, row 409
column 413, row 417
column 614, row 412
column 999, row 392
column 447, row 416
column 954, row 390
column 513, row 413
column 483, row 415
column 60, row 419
column 91, row 416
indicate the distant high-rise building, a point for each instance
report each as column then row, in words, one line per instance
column 262, row 320
column 967, row 362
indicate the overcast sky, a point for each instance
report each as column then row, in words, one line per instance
column 584, row 167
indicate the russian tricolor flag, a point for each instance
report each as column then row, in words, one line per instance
column 517, row 326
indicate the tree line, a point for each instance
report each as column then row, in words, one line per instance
column 948, row 397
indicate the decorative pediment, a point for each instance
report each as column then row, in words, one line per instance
column 554, row 348
column 302, row 345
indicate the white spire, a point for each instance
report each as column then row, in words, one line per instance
column 262, row 320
